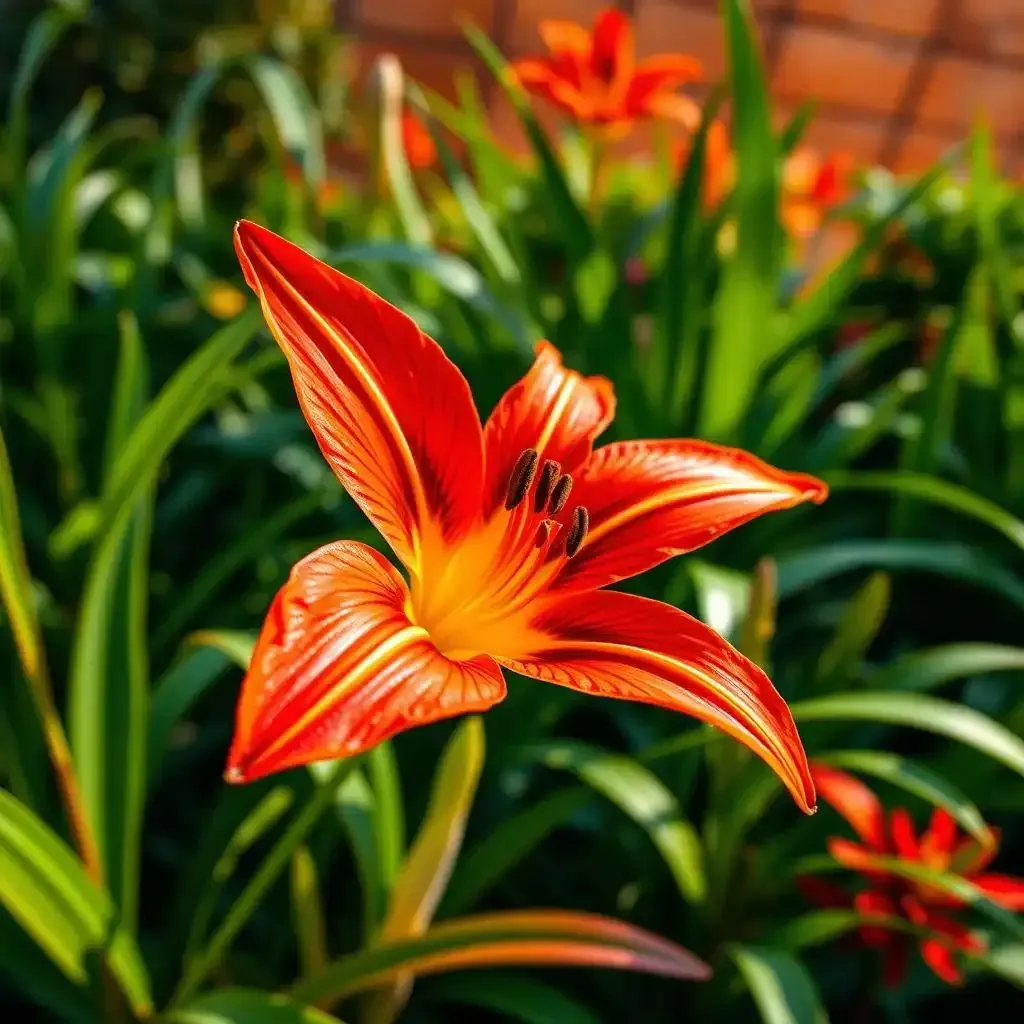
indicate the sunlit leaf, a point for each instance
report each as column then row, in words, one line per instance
column 548, row 938
column 782, row 987
column 639, row 793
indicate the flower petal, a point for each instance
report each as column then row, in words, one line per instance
column 552, row 409
column 338, row 667
column 942, row 960
column 564, row 36
column 1008, row 892
column 392, row 414
column 611, row 55
column 854, row 801
column 631, row 648
column 904, row 838
column 651, row 89
column 874, row 903
column 861, row 859
column 651, row 500
column 939, row 840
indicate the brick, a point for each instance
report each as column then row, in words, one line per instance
column 920, row 148
column 663, row 27
column 958, row 89
column 433, row 68
column 903, row 17
column 836, row 68
column 529, row 12
column 862, row 139
column 432, row 17
column 988, row 26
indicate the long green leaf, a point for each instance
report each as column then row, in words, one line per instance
column 783, row 989
column 15, row 579
column 683, row 281
column 108, row 698
column 269, row 871
column 246, row 1006
column 44, row 887
column 308, row 914
column 920, row 711
column 640, row 794
column 544, row 937
column 173, row 694
column 573, row 226
column 745, row 308
column 936, row 492
column 812, row 566
column 424, row 874
column 507, row 844
column 927, row 669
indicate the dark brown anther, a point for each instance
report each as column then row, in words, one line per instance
column 521, row 479
column 560, row 495
column 548, row 475
column 577, row 531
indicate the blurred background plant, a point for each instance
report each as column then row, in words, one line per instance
column 157, row 481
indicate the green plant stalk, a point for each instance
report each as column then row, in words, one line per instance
column 272, row 867
column 28, row 641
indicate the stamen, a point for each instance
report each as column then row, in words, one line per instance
column 560, row 495
column 521, row 478
column 548, row 475
column 577, row 532
column 543, row 534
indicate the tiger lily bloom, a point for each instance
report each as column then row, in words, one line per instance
column 941, row 848
column 508, row 531
column 595, row 78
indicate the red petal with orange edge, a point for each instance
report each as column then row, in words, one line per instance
column 942, row 960
column 849, row 797
column 651, row 500
column 657, row 77
column 338, row 668
column 1008, row 892
column 392, row 414
column 940, row 839
column 669, row 106
column 904, row 838
column 611, row 55
column 552, row 409
column 631, row 648
column 857, row 858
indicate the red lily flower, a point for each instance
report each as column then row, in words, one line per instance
column 508, row 532
column 596, row 79
column 940, row 848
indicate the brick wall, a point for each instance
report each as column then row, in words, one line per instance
column 898, row 81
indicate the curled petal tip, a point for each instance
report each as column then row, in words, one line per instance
column 233, row 775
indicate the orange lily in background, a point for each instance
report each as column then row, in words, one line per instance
column 595, row 78
column 810, row 184
column 417, row 141
column 508, row 532
column 940, row 848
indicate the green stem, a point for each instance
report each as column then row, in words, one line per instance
column 272, row 867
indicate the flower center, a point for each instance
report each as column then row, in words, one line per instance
column 476, row 596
